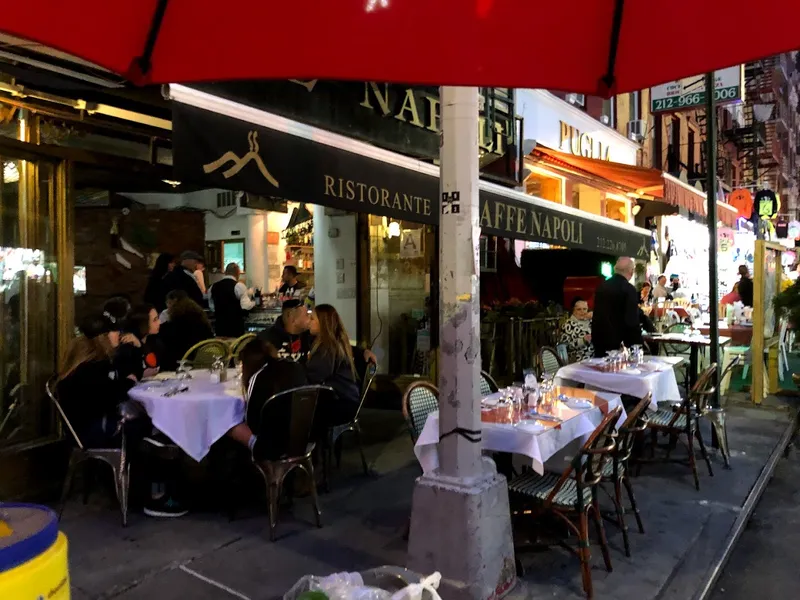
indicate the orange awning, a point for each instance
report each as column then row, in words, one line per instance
column 642, row 181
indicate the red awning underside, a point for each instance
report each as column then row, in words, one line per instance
column 638, row 180
column 446, row 42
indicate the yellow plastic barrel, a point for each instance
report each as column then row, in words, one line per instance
column 33, row 554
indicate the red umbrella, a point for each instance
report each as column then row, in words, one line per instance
column 591, row 46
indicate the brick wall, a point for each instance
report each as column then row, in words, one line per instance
column 149, row 231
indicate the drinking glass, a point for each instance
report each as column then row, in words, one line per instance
column 183, row 370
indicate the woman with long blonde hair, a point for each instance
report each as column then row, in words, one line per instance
column 89, row 386
column 330, row 363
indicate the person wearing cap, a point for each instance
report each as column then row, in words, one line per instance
column 289, row 335
column 182, row 277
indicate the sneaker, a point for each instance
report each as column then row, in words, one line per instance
column 164, row 507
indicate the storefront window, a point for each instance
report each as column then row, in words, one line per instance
column 27, row 300
column 401, row 255
column 545, row 187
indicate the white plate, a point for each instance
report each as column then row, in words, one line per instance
column 631, row 371
column 578, row 403
column 492, row 399
column 530, row 426
column 594, row 362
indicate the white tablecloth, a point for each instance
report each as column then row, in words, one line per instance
column 539, row 446
column 195, row 419
column 661, row 384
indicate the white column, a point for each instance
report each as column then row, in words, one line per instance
column 460, row 521
column 459, row 316
column 255, row 250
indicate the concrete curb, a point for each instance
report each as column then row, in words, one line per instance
column 747, row 510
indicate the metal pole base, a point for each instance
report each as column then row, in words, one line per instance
column 462, row 529
column 716, row 417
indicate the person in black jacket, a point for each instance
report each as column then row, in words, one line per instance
column 745, row 286
column 187, row 326
column 154, row 293
column 616, row 318
column 330, row 363
column 182, row 277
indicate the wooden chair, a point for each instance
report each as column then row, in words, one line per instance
column 116, row 458
column 572, row 496
column 683, row 419
column 239, row 343
column 548, row 361
column 295, row 439
column 617, row 471
column 337, row 431
column 203, row 354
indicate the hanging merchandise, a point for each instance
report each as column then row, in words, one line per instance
column 782, row 230
column 767, row 204
column 742, row 201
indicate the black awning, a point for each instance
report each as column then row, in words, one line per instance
column 219, row 151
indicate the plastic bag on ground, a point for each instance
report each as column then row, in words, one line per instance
column 416, row 591
column 339, row 586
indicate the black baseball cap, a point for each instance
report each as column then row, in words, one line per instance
column 291, row 303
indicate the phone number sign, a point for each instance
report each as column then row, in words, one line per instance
column 690, row 92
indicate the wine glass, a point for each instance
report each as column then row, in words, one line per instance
column 183, row 370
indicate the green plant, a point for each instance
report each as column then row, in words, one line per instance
column 787, row 304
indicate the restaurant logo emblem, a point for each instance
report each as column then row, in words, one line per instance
column 239, row 163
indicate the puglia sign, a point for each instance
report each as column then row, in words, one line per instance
column 581, row 144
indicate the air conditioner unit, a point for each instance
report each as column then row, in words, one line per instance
column 576, row 99
column 637, row 130
column 605, row 120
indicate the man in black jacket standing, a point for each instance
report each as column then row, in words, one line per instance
column 182, row 277
column 616, row 311
column 230, row 301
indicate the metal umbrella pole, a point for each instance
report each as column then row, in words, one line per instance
column 716, row 414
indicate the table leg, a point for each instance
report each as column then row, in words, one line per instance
column 693, row 352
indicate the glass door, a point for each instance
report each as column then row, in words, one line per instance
column 30, row 200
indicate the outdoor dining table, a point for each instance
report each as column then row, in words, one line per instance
column 694, row 341
column 656, row 376
column 196, row 418
column 741, row 335
column 506, row 428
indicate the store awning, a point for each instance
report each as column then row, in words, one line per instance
column 219, row 143
column 641, row 182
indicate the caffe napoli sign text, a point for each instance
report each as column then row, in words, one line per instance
column 424, row 110
column 581, row 144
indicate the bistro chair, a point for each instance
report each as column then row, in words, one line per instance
column 572, row 496
column 681, row 349
column 488, row 384
column 420, row 400
column 116, row 458
column 337, row 431
column 548, row 361
column 684, row 420
column 203, row 354
column 292, row 442
column 617, row 470
column 239, row 343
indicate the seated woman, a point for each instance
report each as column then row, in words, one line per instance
column 90, row 388
column 187, row 326
column 142, row 352
column 172, row 297
column 577, row 332
column 330, row 363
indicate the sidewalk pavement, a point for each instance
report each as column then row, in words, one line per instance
column 204, row 556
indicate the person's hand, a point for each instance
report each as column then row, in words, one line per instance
column 588, row 338
column 370, row 357
column 150, row 372
column 132, row 377
column 129, row 338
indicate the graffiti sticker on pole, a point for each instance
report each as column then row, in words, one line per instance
column 451, row 203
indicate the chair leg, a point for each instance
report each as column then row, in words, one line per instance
column 309, row 468
column 621, row 516
column 629, row 488
column 601, row 531
column 583, row 551
column 73, row 465
column 357, row 431
column 692, row 460
column 273, row 496
column 703, row 451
